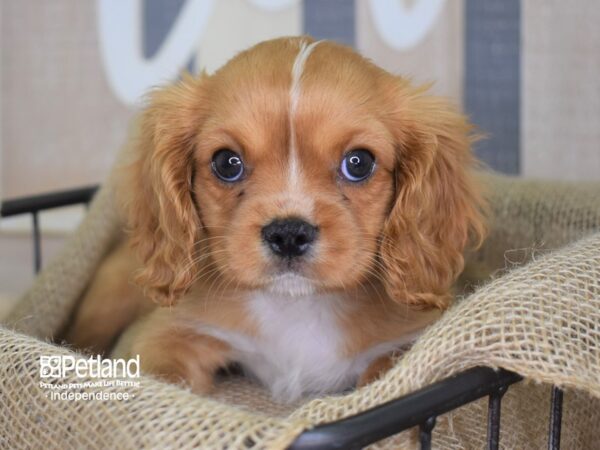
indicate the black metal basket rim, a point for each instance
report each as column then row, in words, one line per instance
column 408, row 411
column 36, row 203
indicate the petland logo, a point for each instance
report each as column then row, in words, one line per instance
column 62, row 366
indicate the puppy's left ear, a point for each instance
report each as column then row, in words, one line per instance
column 438, row 206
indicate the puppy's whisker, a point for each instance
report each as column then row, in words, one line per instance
column 220, row 288
column 378, row 292
column 376, row 269
column 201, row 258
column 228, row 227
column 231, row 280
column 215, row 237
column 208, row 269
column 208, row 265
column 209, row 238
column 374, row 288
column 206, row 277
column 209, row 291
column 209, row 254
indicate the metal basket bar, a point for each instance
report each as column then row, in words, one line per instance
column 37, row 242
column 425, row 430
column 36, row 203
column 22, row 205
column 494, row 405
column 406, row 412
column 556, row 405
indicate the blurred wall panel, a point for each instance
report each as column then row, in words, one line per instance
column 333, row 20
column 561, row 89
column 65, row 105
column 61, row 124
column 438, row 56
column 235, row 25
column 492, row 79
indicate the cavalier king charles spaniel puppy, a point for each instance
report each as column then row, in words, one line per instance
column 301, row 213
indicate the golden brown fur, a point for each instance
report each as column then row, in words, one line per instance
column 390, row 247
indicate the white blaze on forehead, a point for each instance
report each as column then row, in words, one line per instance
column 297, row 69
column 295, row 91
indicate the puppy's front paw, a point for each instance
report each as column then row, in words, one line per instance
column 193, row 364
column 198, row 379
column 176, row 355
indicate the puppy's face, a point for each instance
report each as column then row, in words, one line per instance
column 294, row 169
column 301, row 167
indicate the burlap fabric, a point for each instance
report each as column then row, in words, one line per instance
column 538, row 315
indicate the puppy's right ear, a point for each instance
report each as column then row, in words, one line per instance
column 156, row 189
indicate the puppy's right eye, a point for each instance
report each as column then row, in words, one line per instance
column 227, row 165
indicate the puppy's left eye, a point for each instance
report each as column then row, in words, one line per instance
column 357, row 165
column 227, row 165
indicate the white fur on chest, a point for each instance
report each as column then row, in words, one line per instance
column 300, row 345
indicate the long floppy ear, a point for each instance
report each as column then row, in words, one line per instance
column 438, row 205
column 156, row 189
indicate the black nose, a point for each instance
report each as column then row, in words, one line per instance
column 289, row 237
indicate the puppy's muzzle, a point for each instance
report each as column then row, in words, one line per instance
column 289, row 238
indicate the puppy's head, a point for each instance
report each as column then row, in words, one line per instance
column 299, row 167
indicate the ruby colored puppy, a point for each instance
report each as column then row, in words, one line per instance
column 301, row 212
